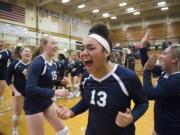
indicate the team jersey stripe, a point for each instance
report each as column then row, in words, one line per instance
column 44, row 69
column 121, row 84
column 17, row 65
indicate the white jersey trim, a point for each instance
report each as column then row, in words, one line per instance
column 107, row 75
column 44, row 69
column 17, row 64
column 48, row 62
column 121, row 84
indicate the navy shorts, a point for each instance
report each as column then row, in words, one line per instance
column 34, row 108
column 2, row 75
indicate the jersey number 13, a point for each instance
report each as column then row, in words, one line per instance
column 102, row 98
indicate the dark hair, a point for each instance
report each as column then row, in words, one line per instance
column 101, row 30
column 61, row 56
column 16, row 53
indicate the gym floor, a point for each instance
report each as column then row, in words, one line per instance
column 76, row 125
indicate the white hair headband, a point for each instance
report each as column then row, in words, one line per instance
column 101, row 40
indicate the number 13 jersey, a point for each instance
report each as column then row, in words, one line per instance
column 107, row 96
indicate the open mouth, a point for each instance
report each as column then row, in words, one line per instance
column 28, row 56
column 88, row 62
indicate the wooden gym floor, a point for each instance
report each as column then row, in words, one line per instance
column 77, row 125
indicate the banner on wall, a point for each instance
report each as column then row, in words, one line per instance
column 12, row 12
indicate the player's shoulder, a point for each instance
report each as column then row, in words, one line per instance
column 125, row 72
column 38, row 62
column 38, row 59
column 14, row 62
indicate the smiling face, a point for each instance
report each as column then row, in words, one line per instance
column 50, row 47
column 168, row 59
column 26, row 54
column 93, row 55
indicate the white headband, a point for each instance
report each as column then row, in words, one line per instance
column 101, row 40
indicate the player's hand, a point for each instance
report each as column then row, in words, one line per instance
column 64, row 113
column 15, row 91
column 124, row 119
column 145, row 38
column 16, row 94
column 151, row 62
column 61, row 92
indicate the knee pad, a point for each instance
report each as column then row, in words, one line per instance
column 15, row 117
column 64, row 131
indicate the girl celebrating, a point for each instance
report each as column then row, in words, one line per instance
column 41, row 79
column 108, row 90
column 16, row 79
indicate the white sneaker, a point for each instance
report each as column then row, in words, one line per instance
column 54, row 98
column 15, row 132
column 70, row 95
column 78, row 93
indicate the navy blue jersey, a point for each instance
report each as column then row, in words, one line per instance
column 144, row 56
column 166, row 94
column 73, row 68
column 62, row 67
column 80, row 67
column 41, row 79
column 5, row 55
column 167, row 98
column 15, row 75
column 106, row 96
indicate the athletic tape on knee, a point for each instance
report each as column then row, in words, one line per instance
column 15, row 117
column 64, row 131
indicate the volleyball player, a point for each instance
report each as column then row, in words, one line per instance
column 39, row 91
column 16, row 79
column 108, row 90
column 62, row 70
column 166, row 93
column 5, row 55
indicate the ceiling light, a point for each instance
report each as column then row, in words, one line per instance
column 113, row 17
column 81, row 6
column 130, row 10
column 164, row 8
column 105, row 15
column 161, row 3
column 122, row 4
column 95, row 11
column 136, row 13
column 65, row 1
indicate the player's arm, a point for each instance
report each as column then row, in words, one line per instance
column 79, row 108
column 9, row 76
column 137, row 94
column 10, row 55
column 65, row 113
column 166, row 89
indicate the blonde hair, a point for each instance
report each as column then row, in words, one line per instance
column 175, row 48
column 44, row 40
column 39, row 49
